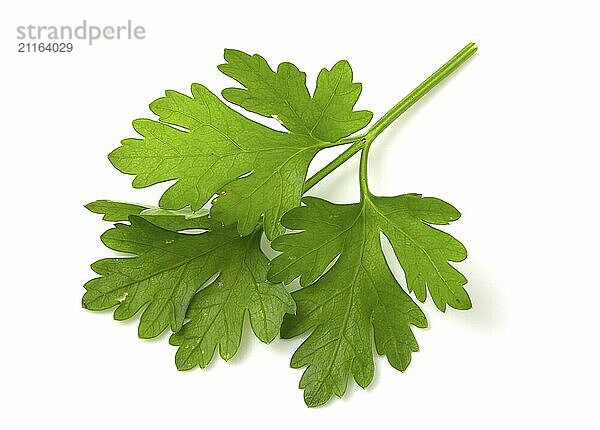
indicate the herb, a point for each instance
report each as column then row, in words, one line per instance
column 359, row 295
column 257, row 171
column 198, row 271
column 169, row 268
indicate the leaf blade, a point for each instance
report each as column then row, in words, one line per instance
column 343, row 303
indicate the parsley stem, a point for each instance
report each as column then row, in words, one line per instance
column 403, row 105
column 335, row 163
column 364, row 141
column 423, row 88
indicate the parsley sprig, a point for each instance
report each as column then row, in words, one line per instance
column 195, row 263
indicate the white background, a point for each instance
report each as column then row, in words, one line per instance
column 511, row 140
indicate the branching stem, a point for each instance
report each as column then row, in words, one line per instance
column 363, row 142
column 356, row 146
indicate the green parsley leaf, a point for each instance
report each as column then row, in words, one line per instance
column 209, row 148
column 327, row 116
column 359, row 296
column 172, row 271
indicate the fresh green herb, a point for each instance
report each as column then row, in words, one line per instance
column 359, row 296
column 256, row 171
column 167, row 272
column 199, row 271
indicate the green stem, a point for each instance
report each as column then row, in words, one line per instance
column 337, row 162
column 363, row 173
column 403, row 105
column 422, row 89
column 363, row 142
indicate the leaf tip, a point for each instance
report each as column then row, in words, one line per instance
column 94, row 206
